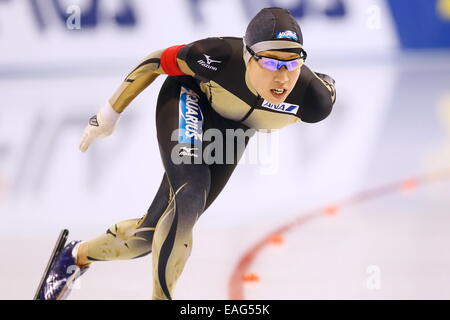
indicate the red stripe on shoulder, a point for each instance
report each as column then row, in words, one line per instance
column 169, row 61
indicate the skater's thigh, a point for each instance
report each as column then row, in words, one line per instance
column 220, row 174
column 179, row 125
column 232, row 148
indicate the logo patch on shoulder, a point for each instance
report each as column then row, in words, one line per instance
column 287, row 34
column 208, row 63
column 282, row 107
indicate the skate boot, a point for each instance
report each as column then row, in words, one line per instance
column 63, row 274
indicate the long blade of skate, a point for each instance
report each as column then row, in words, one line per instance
column 60, row 243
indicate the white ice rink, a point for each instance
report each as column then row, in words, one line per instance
column 391, row 122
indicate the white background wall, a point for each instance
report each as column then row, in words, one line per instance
column 388, row 123
column 365, row 28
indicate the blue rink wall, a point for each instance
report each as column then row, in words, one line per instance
column 422, row 23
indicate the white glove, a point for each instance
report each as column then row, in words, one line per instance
column 100, row 126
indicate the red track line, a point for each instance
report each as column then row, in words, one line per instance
column 236, row 283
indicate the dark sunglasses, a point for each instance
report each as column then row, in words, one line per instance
column 275, row 64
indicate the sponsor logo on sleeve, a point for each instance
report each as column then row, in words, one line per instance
column 282, row 107
column 190, row 117
column 208, row 62
column 287, row 34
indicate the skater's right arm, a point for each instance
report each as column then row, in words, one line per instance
column 159, row 62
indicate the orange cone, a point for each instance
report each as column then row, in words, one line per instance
column 331, row 210
column 251, row 277
column 409, row 185
column 276, row 239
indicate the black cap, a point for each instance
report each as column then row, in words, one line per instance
column 273, row 24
